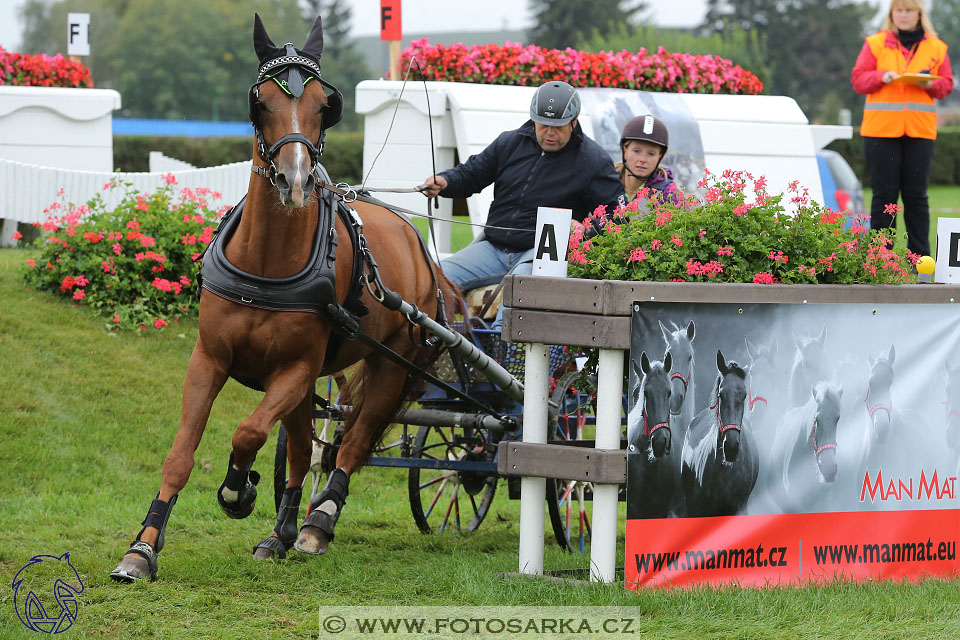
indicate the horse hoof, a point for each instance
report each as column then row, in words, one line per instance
column 312, row 541
column 240, row 512
column 132, row 568
column 264, row 554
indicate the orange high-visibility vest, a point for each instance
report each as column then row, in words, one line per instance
column 898, row 108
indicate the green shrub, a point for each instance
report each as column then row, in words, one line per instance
column 135, row 265
column 725, row 238
column 342, row 155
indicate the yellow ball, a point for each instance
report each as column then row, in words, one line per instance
column 926, row 264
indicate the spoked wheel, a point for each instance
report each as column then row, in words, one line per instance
column 442, row 498
column 567, row 500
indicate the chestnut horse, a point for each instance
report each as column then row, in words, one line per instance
column 274, row 238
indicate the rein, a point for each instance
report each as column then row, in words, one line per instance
column 877, row 407
column 755, row 399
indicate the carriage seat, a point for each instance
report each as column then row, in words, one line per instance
column 490, row 296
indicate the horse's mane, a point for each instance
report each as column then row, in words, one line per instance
column 707, row 444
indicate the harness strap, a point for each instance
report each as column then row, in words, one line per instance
column 877, row 407
column 818, row 449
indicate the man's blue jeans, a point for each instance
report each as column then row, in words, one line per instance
column 481, row 264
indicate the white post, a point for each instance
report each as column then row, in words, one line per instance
column 603, row 541
column 533, row 490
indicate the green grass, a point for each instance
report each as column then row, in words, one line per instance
column 87, row 417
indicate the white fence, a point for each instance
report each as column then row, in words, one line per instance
column 27, row 189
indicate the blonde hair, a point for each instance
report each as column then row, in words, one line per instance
column 908, row 4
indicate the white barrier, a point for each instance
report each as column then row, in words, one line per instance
column 27, row 189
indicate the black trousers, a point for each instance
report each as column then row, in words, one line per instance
column 901, row 167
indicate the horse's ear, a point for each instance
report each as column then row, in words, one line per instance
column 644, row 362
column 822, row 338
column 314, row 45
column 691, row 329
column 262, row 43
column 751, row 350
column 721, row 363
column 667, row 361
column 892, row 354
column 665, row 332
column 870, row 361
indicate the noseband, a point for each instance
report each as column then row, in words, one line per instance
column 877, row 407
column 294, row 67
column 818, row 449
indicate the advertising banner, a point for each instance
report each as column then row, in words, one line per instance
column 788, row 443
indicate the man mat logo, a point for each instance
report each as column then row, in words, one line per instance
column 926, row 488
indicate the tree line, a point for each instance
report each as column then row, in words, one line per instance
column 187, row 59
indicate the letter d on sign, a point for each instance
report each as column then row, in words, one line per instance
column 948, row 250
column 552, row 236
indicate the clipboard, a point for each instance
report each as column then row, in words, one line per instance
column 916, row 78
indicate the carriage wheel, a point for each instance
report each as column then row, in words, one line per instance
column 437, row 496
column 567, row 499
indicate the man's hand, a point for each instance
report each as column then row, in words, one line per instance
column 432, row 186
column 889, row 76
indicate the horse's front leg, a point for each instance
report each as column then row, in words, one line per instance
column 205, row 378
column 288, row 396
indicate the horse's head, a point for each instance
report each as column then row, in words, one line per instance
column 680, row 347
column 291, row 112
column 653, row 391
column 878, row 402
column 811, row 353
column 823, row 434
column 953, row 406
column 730, row 398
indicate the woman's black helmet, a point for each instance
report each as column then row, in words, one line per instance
column 555, row 103
column 647, row 129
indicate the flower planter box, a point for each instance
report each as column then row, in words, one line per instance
column 55, row 127
column 597, row 313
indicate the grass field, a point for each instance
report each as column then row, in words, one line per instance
column 87, row 416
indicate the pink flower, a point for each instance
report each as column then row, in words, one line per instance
column 117, row 249
column 31, row 263
column 160, row 323
column 16, row 235
column 169, row 178
column 892, row 208
column 637, row 255
column 725, row 251
column 655, row 244
column 116, row 317
column 703, row 233
column 675, row 239
column 763, row 278
column 79, row 294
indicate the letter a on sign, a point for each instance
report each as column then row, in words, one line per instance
column 552, row 236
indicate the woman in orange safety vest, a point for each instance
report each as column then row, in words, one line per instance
column 899, row 116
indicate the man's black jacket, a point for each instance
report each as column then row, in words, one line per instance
column 579, row 176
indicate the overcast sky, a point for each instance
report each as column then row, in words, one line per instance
column 421, row 16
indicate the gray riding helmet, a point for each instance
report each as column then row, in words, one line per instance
column 555, row 104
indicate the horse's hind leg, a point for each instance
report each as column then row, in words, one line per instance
column 374, row 409
column 204, row 380
column 299, row 446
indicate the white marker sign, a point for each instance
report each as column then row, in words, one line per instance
column 550, row 246
column 948, row 250
column 78, row 34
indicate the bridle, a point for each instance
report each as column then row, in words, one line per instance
column 295, row 66
column 818, row 449
column 877, row 407
column 723, row 427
